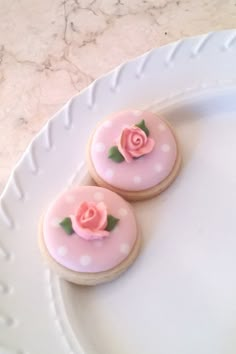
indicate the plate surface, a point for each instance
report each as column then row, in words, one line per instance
column 180, row 295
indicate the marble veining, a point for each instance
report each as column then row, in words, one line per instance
column 50, row 50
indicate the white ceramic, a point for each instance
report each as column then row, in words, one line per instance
column 180, row 295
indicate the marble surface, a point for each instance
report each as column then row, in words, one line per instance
column 49, row 50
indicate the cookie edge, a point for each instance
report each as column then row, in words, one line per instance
column 83, row 278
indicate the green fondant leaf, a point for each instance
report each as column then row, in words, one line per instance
column 115, row 154
column 66, row 224
column 142, row 126
column 111, row 222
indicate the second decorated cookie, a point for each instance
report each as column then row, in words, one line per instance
column 89, row 235
column 134, row 153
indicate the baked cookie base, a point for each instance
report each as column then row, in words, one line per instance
column 89, row 278
column 136, row 195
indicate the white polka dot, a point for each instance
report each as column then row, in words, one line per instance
column 62, row 251
column 107, row 124
column 124, row 248
column 85, row 260
column 123, row 212
column 109, row 173
column 98, row 243
column 158, row 167
column 137, row 179
column 70, row 199
column 116, row 229
column 55, row 222
column 98, row 196
column 162, row 127
column 137, row 113
column 165, row 148
column 99, row 147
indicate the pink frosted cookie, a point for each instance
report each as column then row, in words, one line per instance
column 134, row 153
column 89, row 235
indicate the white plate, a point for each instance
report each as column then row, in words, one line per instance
column 180, row 296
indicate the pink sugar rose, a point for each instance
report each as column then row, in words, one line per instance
column 90, row 221
column 133, row 142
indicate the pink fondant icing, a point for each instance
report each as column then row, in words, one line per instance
column 144, row 172
column 78, row 254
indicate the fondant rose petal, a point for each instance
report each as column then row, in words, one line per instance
column 101, row 207
column 122, row 145
column 75, row 225
column 90, row 219
column 144, row 149
column 126, row 155
column 82, row 208
column 87, row 215
column 101, row 233
column 85, row 233
column 136, row 139
column 134, row 142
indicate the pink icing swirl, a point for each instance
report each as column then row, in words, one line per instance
column 90, row 221
column 133, row 143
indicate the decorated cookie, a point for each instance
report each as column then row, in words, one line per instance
column 134, row 153
column 89, row 235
